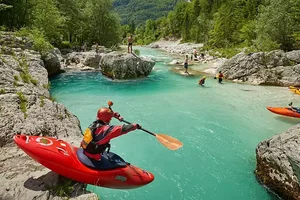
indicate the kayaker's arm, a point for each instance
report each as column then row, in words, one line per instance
column 129, row 127
column 120, row 130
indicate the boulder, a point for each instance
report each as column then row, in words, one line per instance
column 125, row 66
column 90, row 59
column 53, row 62
column 154, row 46
column 264, row 68
column 278, row 163
column 174, row 62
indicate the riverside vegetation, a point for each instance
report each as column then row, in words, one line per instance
column 226, row 26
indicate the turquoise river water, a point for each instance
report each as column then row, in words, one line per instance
column 220, row 126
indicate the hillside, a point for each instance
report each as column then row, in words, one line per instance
column 141, row 10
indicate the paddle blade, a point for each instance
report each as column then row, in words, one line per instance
column 169, row 142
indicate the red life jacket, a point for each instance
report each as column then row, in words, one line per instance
column 92, row 149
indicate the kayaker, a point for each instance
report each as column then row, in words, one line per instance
column 202, row 80
column 294, row 108
column 98, row 135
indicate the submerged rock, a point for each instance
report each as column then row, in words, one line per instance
column 272, row 68
column 278, row 163
column 125, row 66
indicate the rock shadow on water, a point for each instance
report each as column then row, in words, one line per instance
column 57, row 185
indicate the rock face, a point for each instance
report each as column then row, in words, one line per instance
column 278, row 163
column 53, row 62
column 125, row 66
column 84, row 61
column 26, row 107
column 272, row 68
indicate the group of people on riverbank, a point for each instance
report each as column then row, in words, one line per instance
column 219, row 76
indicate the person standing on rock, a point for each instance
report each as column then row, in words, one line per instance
column 130, row 42
column 97, row 48
column 84, row 47
column 186, row 64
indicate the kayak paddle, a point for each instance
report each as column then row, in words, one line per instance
column 166, row 140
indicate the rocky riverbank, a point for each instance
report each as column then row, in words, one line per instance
column 179, row 50
column 278, row 163
column 26, row 107
column 276, row 68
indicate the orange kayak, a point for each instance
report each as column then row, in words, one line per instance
column 286, row 111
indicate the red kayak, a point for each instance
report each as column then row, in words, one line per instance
column 284, row 111
column 69, row 161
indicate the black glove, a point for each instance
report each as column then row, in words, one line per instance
column 138, row 126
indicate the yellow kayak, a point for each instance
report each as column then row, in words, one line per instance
column 295, row 89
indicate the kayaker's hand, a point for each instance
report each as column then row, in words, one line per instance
column 138, row 126
column 118, row 116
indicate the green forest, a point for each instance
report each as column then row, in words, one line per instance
column 138, row 11
column 62, row 23
column 230, row 26
column 227, row 26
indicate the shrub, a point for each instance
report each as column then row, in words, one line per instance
column 40, row 42
column 34, row 81
column 42, row 101
column 16, row 78
column 137, row 52
column 47, row 86
column 63, row 189
column 23, row 103
column 65, row 45
column 2, row 91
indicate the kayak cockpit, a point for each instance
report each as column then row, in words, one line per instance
column 108, row 161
